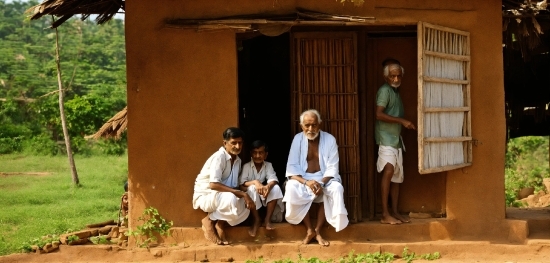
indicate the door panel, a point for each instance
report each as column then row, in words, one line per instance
column 325, row 78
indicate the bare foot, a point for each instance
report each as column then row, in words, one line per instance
column 322, row 241
column 309, row 236
column 268, row 225
column 209, row 230
column 221, row 233
column 402, row 218
column 253, row 229
column 390, row 220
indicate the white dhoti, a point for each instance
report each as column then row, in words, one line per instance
column 388, row 154
column 299, row 198
column 274, row 194
column 223, row 206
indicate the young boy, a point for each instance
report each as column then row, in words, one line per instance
column 253, row 181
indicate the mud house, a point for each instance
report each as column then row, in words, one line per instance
column 197, row 67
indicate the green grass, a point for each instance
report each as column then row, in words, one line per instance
column 36, row 205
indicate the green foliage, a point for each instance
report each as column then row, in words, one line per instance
column 93, row 63
column 40, row 242
column 72, row 238
column 101, row 239
column 34, row 205
column 526, row 166
column 153, row 224
column 410, row 256
column 375, row 257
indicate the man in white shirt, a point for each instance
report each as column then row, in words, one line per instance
column 313, row 177
column 253, row 180
column 216, row 189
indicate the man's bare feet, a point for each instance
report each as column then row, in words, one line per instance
column 309, row 236
column 220, row 229
column 253, row 229
column 402, row 218
column 390, row 220
column 268, row 225
column 321, row 240
column 208, row 230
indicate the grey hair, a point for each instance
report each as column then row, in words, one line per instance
column 310, row 111
column 392, row 66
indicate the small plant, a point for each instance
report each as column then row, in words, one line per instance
column 410, row 256
column 100, row 240
column 375, row 257
column 259, row 260
column 153, row 223
column 72, row 238
column 39, row 242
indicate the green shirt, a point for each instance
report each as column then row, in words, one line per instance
column 388, row 133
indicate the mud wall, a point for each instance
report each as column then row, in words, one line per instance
column 182, row 93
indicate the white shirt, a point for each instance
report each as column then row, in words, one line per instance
column 218, row 169
column 250, row 173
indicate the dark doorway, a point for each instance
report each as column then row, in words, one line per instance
column 264, row 96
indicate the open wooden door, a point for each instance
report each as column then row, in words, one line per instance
column 325, row 78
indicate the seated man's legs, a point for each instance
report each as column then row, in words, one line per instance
column 221, row 206
column 335, row 210
column 272, row 199
column 253, row 193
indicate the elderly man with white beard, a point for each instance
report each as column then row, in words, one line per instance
column 313, row 177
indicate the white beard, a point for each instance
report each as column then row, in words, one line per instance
column 314, row 137
column 395, row 85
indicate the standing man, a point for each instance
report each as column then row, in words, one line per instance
column 217, row 189
column 389, row 118
column 313, row 177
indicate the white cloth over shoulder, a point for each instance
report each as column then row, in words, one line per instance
column 388, row 154
column 299, row 197
column 328, row 156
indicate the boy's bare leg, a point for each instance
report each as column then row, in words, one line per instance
column 208, row 229
column 220, row 227
column 310, row 234
column 254, row 228
column 387, row 174
column 394, row 191
column 270, row 208
column 320, row 222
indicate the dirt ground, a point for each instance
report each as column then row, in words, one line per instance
column 451, row 251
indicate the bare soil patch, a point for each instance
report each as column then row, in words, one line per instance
column 6, row 174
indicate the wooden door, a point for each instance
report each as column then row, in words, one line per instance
column 324, row 75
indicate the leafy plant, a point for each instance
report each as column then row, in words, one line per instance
column 72, row 238
column 375, row 257
column 40, row 242
column 153, row 224
column 102, row 239
column 410, row 256
column 526, row 166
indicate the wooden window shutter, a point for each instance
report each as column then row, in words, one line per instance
column 444, row 109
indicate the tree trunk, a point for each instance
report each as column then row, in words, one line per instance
column 76, row 182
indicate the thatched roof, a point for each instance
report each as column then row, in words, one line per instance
column 114, row 127
column 524, row 26
column 65, row 9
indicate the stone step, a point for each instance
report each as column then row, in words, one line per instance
column 417, row 230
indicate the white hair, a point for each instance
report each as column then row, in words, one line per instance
column 309, row 112
column 389, row 67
